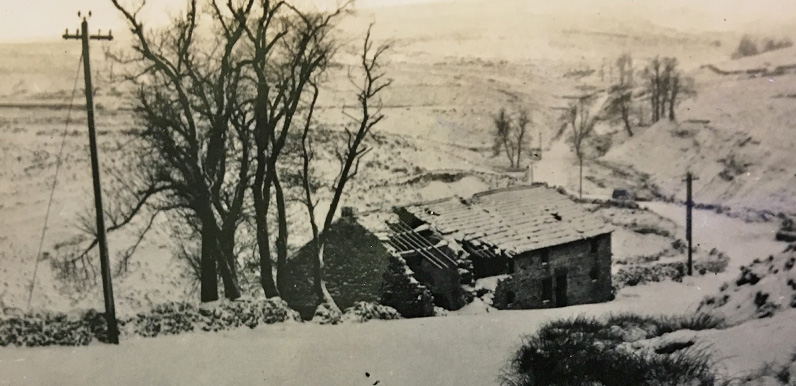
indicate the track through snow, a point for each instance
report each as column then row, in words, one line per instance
column 741, row 241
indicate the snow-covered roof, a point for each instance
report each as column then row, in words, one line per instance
column 514, row 220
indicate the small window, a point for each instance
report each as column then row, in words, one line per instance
column 547, row 290
column 594, row 245
column 545, row 256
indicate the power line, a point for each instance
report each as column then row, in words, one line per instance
column 107, row 287
column 55, row 180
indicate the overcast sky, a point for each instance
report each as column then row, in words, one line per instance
column 30, row 20
column 47, row 19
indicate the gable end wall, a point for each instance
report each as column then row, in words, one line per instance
column 580, row 264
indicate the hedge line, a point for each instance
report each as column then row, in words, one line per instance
column 34, row 329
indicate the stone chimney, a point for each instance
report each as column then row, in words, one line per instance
column 348, row 212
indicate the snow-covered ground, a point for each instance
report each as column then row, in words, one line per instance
column 742, row 241
column 468, row 348
column 451, row 73
column 452, row 350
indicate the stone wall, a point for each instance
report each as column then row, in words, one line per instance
column 537, row 279
column 403, row 292
column 444, row 283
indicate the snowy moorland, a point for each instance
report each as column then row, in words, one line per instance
column 454, row 64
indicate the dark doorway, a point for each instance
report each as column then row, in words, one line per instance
column 561, row 289
column 547, row 291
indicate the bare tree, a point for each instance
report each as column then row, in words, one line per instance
column 371, row 82
column 669, row 70
column 502, row 136
column 289, row 48
column 625, row 66
column 582, row 123
column 218, row 113
column 653, row 75
column 620, row 105
column 681, row 86
column 195, row 145
column 521, row 128
column 509, row 136
column 666, row 86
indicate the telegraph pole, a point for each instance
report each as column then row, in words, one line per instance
column 689, row 205
column 107, row 288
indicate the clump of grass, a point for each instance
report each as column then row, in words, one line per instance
column 588, row 351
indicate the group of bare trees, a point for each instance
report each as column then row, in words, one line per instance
column 624, row 65
column 666, row 86
column 218, row 111
column 510, row 135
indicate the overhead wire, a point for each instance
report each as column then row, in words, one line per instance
column 55, row 182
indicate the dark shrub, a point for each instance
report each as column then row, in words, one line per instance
column 746, row 47
column 34, row 329
column 585, row 351
column 364, row 311
column 81, row 328
column 504, row 296
column 327, row 314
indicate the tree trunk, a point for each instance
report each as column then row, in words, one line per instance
column 519, row 148
column 215, row 260
column 653, row 108
column 320, row 285
column 580, row 190
column 671, row 111
column 261, row 202
column 229, row 277
column 626, row 119
column 227, row 267
column 673, row 100
column 281, row 238
column 508, row 152
column 208, row 275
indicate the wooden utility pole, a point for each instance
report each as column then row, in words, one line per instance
column 689, row 205
column 107, row 287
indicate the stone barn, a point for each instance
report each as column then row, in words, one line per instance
column 355, row 259
column 552, row 251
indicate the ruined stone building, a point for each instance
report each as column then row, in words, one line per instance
column 553, row 251
column 548, row 250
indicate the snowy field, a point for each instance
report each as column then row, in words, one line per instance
column 454, row 64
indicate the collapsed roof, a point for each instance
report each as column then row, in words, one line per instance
column 511, row 220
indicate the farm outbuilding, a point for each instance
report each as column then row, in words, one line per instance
column 554, row 252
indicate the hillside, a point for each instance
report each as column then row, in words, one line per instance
column 736, row 136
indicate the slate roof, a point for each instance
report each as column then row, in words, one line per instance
column 513, row 220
